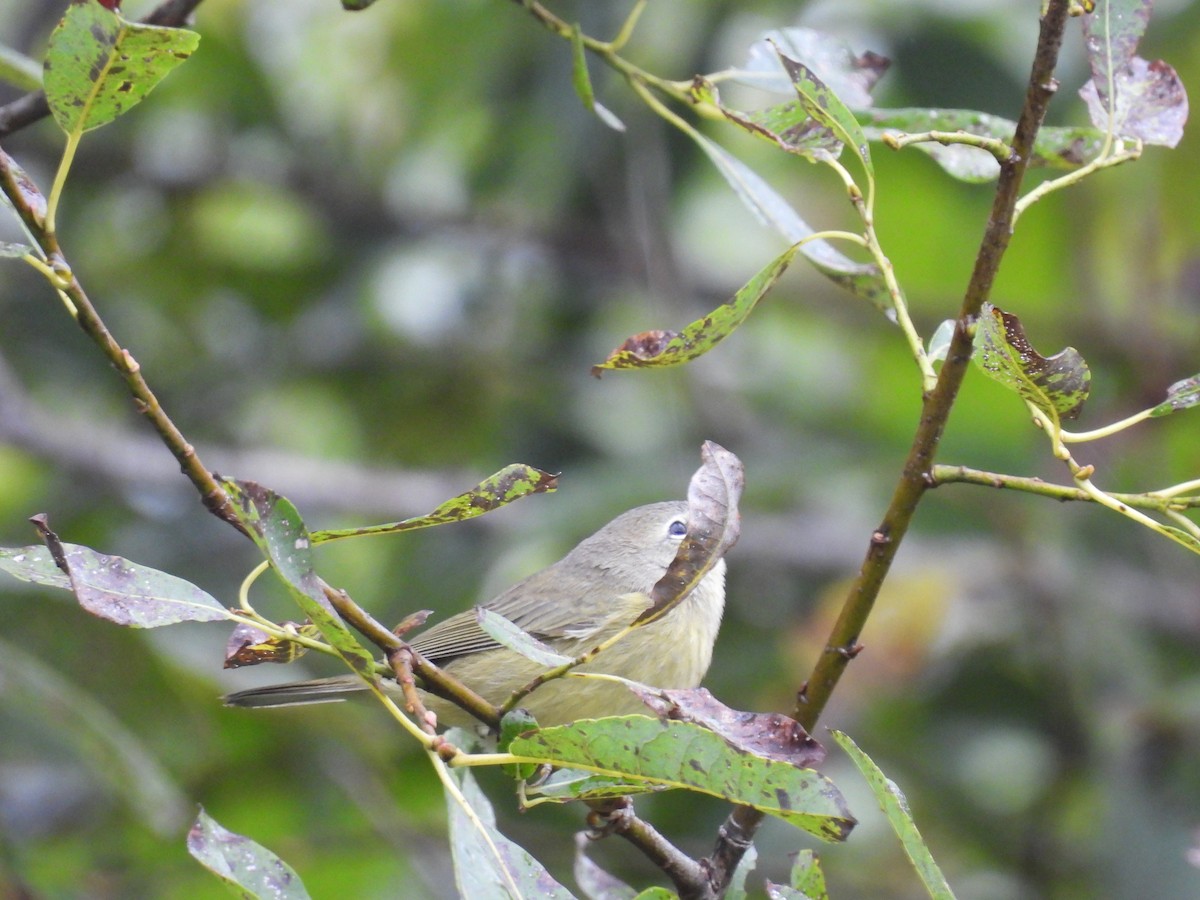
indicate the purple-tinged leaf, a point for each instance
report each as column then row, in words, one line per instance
column 112, row 587
column 851, row 76
column 1181, row 395
column 1150, row 103
column 250, row 869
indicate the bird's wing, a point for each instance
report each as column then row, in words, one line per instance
column 536, row 605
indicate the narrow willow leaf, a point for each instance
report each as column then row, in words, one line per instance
column 683, row 755
column 505, row 633
column 98, row 65
column 275, row 525
column 486, row 863
column 824, row 105
column 583, row 82
column 1181, row 395
column 861, row 279
column 79, row 724
column 13, row 251
column 250, row 869
column 511, row 483
column 670, row 348
column 895, row 807
column 714, row 524
column 1057, row 385
column 112, row 587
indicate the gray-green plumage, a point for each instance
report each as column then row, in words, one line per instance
column 588, row 595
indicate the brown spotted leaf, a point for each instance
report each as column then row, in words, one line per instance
column 670, row 348
column 1057, row 385
column 248, row 868
column 714, row 524
column 1182, row 394
column 671, row 754
column 769, row 735
column 249, row 646
column 511, row 483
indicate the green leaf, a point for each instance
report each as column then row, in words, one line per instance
column 861, row 279
column 249, row 868
column 669, row 348
column 275, row 525
column 683, row 755
column 36, row 695
column 895, row 808
column 98, row 65
column 737, row 883
column 657, row 893
column 807, row 876
column 1181, row 395
column 487, row 864
column 505, row 633
column 583, row 82
column 823, row 105
column 565, row 785
column 511, row 483
column 112, row 587
column 1057, row 385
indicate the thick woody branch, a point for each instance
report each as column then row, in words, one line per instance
column 842, row 645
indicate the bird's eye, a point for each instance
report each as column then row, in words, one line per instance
column 678, row 528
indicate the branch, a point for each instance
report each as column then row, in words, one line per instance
column 24, row 111
column 1155, row 500
column 843, row 643
column 616, row 816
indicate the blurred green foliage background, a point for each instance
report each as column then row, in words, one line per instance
column 367, row 259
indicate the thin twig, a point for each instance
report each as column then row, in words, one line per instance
column 1156, row 500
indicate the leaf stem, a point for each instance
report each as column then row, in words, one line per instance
column 1161, row 501
column 60, row 179
column 1071, row 437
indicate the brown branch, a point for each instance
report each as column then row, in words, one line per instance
column 24, row 111
column 914, row 480
column 616, row 816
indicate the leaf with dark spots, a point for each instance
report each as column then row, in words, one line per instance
column 714, row 524
column 245, row 866
column 250, row 646
column 109, row 586
column 669, row 348
column 276, row 526
column 1057, row 385
column 769, row 735
column 820, row 102
column 1182, row 394
column 509, row 484
column 82, row 89
column 672, row 754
